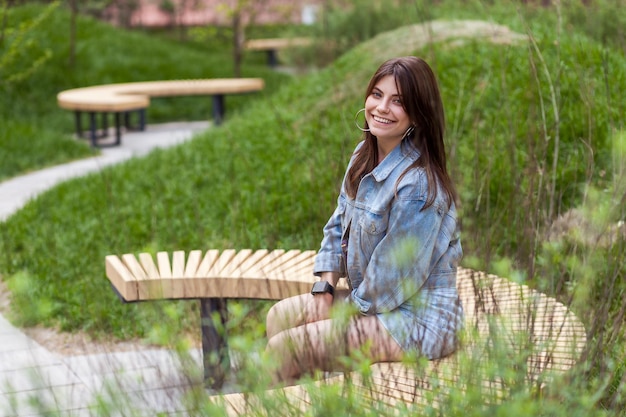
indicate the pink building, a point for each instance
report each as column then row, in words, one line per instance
column 159, row 13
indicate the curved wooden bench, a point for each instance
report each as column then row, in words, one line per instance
column 539, row 334
column 121, row 99
column 272, row 45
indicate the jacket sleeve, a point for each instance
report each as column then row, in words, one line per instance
column 330, row 255
column 401, row 262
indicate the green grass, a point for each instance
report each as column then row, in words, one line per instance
column 38, row 133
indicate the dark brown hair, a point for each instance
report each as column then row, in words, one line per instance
column 422, row 102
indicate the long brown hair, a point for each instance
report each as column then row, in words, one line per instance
column 422, row 102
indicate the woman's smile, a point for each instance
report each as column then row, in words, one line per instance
column 382, row 120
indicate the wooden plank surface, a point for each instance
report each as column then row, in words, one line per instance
column 271, row 44
column 533, row 327
column 134, row 96
column 121, row 278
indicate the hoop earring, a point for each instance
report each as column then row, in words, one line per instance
column 356, row 116
column 409, row 131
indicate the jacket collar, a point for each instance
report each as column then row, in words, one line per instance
column 405, row 153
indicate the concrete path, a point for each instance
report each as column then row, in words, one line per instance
column 37, row 382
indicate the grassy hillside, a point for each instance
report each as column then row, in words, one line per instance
column 36, row 132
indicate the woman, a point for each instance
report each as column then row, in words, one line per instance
column 393, row 234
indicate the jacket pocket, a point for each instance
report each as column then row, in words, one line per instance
column 373, row 228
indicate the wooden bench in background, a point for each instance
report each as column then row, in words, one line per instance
column 526, row 317
column 271, row 46
column 123, row 99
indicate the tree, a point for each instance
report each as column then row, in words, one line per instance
column 240, row 13
column 74, row 13
column 20, row 55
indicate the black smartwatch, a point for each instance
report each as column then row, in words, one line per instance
column 322, row 287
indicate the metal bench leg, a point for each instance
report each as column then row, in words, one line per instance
column 79, row 125
column 214, row 347
column 218, row 108
column 272, row 58
column 141, row 123
column 118, row 129
column 127, row 119
column 92, row 129
column 142, row 119
column 105, row 124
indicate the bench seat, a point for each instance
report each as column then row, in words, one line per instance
column 544, row 332
column 129, row 97
column 272, row 45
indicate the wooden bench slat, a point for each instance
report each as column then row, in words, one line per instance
column 258, row 270
column 178, row 264
column 134, row 266
column 302, row 264
column 165, row 269
column 221, row 262
column 193, row 262
column 121, row 278
column 207, row 263
column 274, row 268
column 251, row 262
column 147, row 262
column 234, row 264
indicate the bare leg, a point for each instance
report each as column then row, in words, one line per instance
column 286, row 314
column 318, row 345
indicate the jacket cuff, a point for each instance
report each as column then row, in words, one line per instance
column 328, row 263
column 363, row 306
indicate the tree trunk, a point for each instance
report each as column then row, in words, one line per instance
column 74, row 14
column 237, row 43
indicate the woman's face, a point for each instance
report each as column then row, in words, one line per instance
column 384, row 113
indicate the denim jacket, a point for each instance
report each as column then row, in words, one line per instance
column 401, row 260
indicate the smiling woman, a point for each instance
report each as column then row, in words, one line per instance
column 394, row 235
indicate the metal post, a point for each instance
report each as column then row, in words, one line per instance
column 127, row 120
column 92, row 129
column 118, row 129
column 214, row 347
column 105, row 124
column 272, row 58
column 218, row 108
column 142, row 119
column 79, row 126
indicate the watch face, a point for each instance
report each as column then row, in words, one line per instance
column 321, row 287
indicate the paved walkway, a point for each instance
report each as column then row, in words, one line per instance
column 35, row 381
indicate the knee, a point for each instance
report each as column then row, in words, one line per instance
column 272, row 322
column 283, row 315
column 278, row 346
column 281, row 355
column 273, row 313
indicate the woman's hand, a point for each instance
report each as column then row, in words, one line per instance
column 317, row 308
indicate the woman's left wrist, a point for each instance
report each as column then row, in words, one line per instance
column 322, row 287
